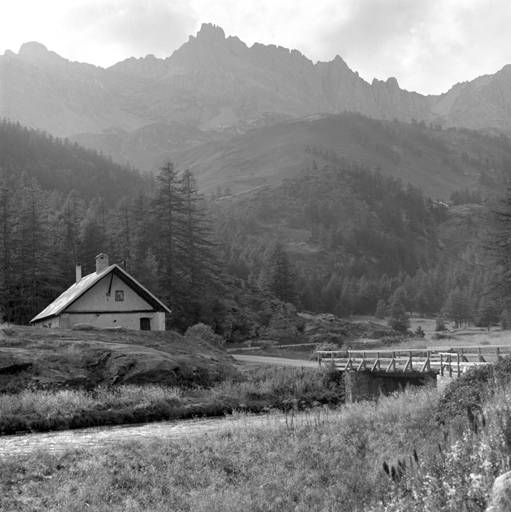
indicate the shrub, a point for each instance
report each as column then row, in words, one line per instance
column 442, row 336
column 469, row 389
column 419, row 332
column 205, row 333
column 440, row 325
column 387, row 341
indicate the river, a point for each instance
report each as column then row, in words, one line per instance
column 60, row 441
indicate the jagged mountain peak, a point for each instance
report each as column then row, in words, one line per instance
column 210, row 32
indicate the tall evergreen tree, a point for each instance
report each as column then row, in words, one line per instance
column 277, row 274
column 167, row 209
column 7, row 246
column 399, row 319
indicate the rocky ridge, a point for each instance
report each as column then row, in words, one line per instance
column 220, row 86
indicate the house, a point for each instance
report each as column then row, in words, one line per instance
column 109, row 297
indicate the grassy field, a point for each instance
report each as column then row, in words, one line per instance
column 325, row 460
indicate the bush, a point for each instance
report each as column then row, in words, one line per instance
column 442, row 336
column 419, row 332
column 470, row 388
column 388, row 341
column 440, row 325
column 205, row 333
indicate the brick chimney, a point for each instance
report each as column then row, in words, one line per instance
column 78, row 272
column 101, row 262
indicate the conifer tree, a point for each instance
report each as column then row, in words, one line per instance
column 399, row 319
column 7, row 246
column 277, row 274
column 34, row 269
column 167, row 209
column 381, row 309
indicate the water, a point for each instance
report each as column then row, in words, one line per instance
column 12, row 447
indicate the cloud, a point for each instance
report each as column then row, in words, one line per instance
column 118, row 29
column 429, row 45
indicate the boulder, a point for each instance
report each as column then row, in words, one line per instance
column 501, row 494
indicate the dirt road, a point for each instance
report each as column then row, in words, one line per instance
column 276, row 361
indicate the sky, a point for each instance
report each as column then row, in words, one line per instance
column 427, row 45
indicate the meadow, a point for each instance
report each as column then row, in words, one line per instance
column 322, row 460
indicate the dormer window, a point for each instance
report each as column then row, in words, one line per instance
column 119, row 295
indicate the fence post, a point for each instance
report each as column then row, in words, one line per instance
column 442, row 365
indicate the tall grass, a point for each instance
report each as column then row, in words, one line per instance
column 460, row 475
column 261, row 389
column 323, row 460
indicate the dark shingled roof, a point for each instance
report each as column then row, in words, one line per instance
column 86, row 283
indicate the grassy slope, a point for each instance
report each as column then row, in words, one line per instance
column 427, row 158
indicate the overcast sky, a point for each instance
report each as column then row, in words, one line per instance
column 428, row 45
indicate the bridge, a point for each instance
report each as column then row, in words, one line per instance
column 370, row 373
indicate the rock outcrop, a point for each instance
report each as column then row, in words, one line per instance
column 45, row 358
column 501, row 494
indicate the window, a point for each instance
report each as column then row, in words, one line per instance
column 119, row 295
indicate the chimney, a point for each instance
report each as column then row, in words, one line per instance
column 101, row 262
column 78, row 272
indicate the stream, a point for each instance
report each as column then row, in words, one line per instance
column 14, row 446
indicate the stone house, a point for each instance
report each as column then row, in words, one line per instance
column 109, row 297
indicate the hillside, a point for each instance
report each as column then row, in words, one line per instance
column 61, row 166
column 438, row 161
column 345, row 220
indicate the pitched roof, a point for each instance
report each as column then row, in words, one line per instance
column 86, row 283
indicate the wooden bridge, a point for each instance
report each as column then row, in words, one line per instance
column 371, row 373
column 445, row 361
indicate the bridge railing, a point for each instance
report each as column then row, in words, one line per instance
column 443, row 360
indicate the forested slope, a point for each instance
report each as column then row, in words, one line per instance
column 354, row 237
column 62, row 166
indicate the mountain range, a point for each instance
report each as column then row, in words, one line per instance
column 214, row 94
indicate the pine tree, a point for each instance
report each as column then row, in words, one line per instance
column 381, row 309
column 190, row 275
column 92, row 240
column 167, row 209
column 7, row 246
column 457, row 306
column 277, row 274
column 488, row 312
column 497, row 246
column 200, row 261
column 399, row 320
column 34, row 270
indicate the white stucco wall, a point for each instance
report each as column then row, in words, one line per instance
column 104, row 320
column 97, row 298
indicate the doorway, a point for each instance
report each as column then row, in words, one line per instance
column 145, row 324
